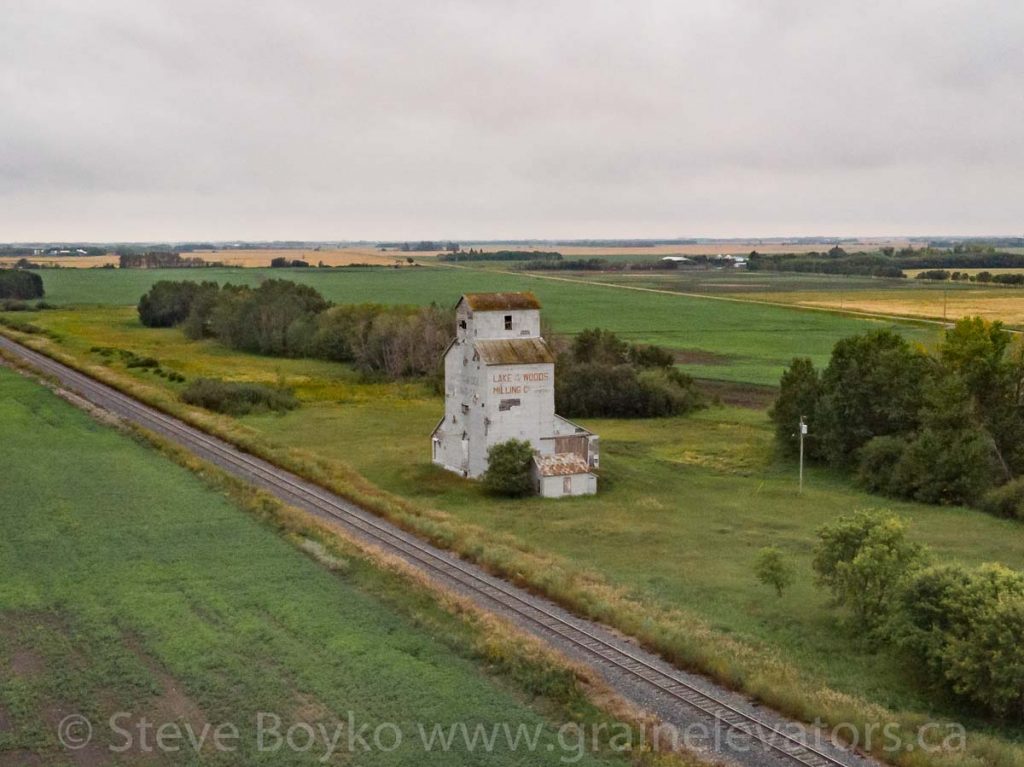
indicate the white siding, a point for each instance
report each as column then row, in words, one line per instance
column 575, row 484
column 488, row 404
column 491, row 325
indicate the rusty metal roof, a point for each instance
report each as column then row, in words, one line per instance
column 560, row 464
column 496, row 302
column 514, row 351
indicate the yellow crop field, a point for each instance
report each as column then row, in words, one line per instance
column 330, row 257
column 75, row 262
column 706, row 248
column 1006, row 305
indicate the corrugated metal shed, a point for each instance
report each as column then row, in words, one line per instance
column 496, row 302
column 514, row 351
column 560, row 465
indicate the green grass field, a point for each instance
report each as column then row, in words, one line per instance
column 128, row 585
column 685, row 503
column 730, row 341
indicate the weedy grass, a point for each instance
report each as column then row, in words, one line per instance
column 664, row 552
column 126, row 584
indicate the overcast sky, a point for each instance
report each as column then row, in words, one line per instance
column 326, row 119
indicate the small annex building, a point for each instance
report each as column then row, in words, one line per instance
column 499, row 384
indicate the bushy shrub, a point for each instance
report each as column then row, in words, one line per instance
column 508, row 469
column 960, row 627
column 648, row 356
column 19, row 284
column 598, row 346
column 603, row 376
column 952, row 467
column 168, row 303
column 772, row 569
column 864, row 559
column 964, row 628
column 666, row 392
column 877, row 462
column 237, row 398
column 142, row 362
column 1005, row 501
column 1008, row 279
column 622, row 391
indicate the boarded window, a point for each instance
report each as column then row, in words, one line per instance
column 574, row 444
column 508, row 404
column 567, row 486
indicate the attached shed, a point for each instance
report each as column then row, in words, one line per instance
column 563, row 474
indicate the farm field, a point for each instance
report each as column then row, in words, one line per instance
column 685, row 505
column 992, row 304
column 926, row 299
column 731, row 341
column 65, row 262
column 261, row 257
column 731, row 281
column 126, row 584
column 725, row 247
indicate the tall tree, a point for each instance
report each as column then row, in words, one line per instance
column 799, row 392
column 873, row 386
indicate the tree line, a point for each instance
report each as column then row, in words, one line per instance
column 162, row 260
column 942, row 275
column 938, row 427
column 597, row 374
column 857, row 264
column 501, row 255
column 282, row 318
column 886, row 262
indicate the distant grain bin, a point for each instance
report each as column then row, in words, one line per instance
column 499, row 379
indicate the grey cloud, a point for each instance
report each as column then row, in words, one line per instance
column 324, row 119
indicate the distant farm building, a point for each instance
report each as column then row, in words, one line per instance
column 677, row 260
column 500, row 385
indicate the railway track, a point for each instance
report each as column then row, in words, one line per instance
column 761, row 740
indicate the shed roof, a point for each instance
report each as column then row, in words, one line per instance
column 496, row 302
column 514, row 351
column 560, row 464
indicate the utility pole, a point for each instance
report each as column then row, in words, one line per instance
column 803, row 432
